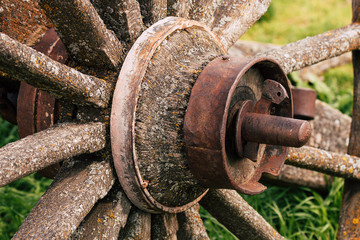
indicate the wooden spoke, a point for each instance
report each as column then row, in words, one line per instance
column 153, row 10
column 330, row 129
column 191, row 226
column 84, row 33
column 244, row 48
column 294, row 176
column 179, row 8
column 123, row 17
column 47, row 147
column 233, row 18
column 75, row 190
column 164, row 227
column 230, row 209
column 311, row 50
column 203, row 10
column 350, row 210
column 335, row 164
column 138, row 225
column 108, row 216
column 28, row 65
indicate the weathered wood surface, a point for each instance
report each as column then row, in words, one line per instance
column 107, row 217
column 160, row 112
column 350, row 207
column 153, row 10
column 28, row 65
column 138, row 226
column 191, row 226
column 164, row 226
column 251, row 48
column 229, row 19
column 335, row 164
column 123, row 17
column 294, row 176
column 233, row 18
column 75, row 190
column 311, row 50
column 231, row 210
column 179, row 8
column 23, row 21
column 37, row 151
column 331, row 129
column 84, row 33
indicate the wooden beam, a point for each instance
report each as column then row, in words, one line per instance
column 42, row 149
column 191, row 226
column 26, row 64
column 308, row 51
column 107, row 217
column 231, row 210
column 349, row 226
column 84, row 33
column 81, row 182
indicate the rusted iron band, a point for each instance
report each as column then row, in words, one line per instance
column 28, row 65
column 335, row 164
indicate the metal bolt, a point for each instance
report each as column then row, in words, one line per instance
column 275, row 130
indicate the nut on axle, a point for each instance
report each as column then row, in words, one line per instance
column 239, row 123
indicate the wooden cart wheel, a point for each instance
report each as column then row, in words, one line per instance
column 153, row 116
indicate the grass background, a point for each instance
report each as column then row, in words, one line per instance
column 295, row 213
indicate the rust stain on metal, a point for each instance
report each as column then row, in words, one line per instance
column 7, row 109
column 36, row 108
column 304, row 103
column 234, row 110
column 23, row 21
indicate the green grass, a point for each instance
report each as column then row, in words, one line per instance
column 297, row 213
column 301, row 213
column 19, row 197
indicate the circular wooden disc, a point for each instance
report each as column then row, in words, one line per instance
column 148, row 111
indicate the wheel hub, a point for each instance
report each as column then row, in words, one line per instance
column 155, row 170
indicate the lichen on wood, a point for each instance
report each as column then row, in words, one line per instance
column 123, row 17
column 84, row 33
column 37, row 151
column 179, row 8
column 233, row 18
column 81, row 182
column 335, row 164
column 294, row 176
column 164, row 226
column 249, row 48
column 231, row 210
column 138, row 226
column 191, row 226
column 308, row 51
column 331, row 129
column 153, row 10
column 107, row 217
column 28, row 65
column 162, row 102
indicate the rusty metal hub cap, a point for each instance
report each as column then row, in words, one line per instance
column 238, row 120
